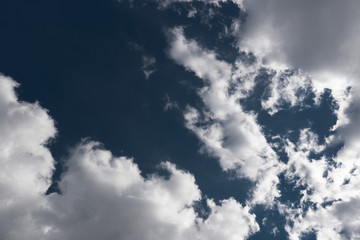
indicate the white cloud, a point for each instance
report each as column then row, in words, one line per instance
column 339, row 221
column 239, row 225
column 319, row 37
column 25, row 164
column 103, row 197
column 109, row 198
column 236, row 139
column 225, row 129
column 287, row 89
column 333, row 190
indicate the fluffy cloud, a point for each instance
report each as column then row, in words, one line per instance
column 286, row 35
column 330, row 194
column 101, row 190
column 236, row 139
column 25, row 164
column 319, row 38
column 102, row 196
column 287, row 89
column 226, row 130
column 108, row 197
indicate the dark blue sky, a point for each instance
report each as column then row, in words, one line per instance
column 84, row 61
column 77, row 60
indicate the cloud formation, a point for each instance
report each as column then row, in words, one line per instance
column 302, row 46
column 315, row 36
column 320, row 38
column 25, row 164
column 102, row 196
column 236, row 139
column 227, row 132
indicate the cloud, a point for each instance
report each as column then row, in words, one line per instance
column 169, row 104
column 320, row 38
column 339, row 221
column 148, row 65
column 102, row 196
column 304, row 34
column 228, row 133
column 231, row 215
column 148, row 61
column 165, row 3
column 25, row 164
column 108, row 197
column 235, row 138
column 287, row 89
column 330, row 194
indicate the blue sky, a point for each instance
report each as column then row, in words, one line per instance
column 179, row 120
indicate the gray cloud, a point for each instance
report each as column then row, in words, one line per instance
column 313, row 35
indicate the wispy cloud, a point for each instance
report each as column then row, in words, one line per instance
column 148, row 61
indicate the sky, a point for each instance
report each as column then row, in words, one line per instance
column 179, row 119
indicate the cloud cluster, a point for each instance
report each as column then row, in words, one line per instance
column 300, row 61
column 331, row 197
column 288, row 88
column 25, row 164
column 227, row 132
column 102, row 196
column 319, row 37
column 303, row 46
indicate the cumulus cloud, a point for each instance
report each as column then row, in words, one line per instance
column 101, row 190
column 25, row 164
column 102, row 196
column 227, row 132
column 108, row 197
